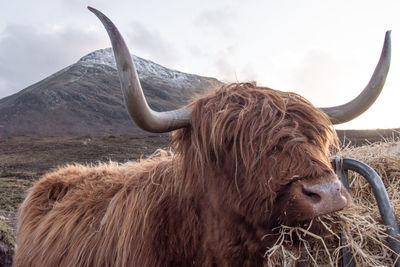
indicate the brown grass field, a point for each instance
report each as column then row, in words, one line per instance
column 24, row 159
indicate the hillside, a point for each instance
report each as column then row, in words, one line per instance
column 365, row 137
column 85, row 98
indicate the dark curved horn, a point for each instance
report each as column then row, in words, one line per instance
column 146, row 118
column 367, row 97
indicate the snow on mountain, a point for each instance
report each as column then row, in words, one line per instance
column 145, row 68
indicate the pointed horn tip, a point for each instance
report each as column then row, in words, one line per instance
column 95, row 11
column 388, row 35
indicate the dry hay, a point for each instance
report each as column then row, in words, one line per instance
column 360, row 225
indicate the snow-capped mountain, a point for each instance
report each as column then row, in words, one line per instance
column 145, row 68
column 85, row 98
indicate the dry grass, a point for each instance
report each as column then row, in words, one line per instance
column 12, row 191
column 359, row 225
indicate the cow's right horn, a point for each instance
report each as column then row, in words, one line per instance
column 367, row 97
column 146, row 118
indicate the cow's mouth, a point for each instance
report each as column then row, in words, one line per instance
column 305, row 199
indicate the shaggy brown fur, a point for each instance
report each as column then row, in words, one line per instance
column 210, row 204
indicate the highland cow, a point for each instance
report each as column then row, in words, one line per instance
column 246, row 160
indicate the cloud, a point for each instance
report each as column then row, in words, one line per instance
column 212, row 17
column 225, row 69
column 28, row 55
column 219, row 21
column 146, row 42
column 325, row 79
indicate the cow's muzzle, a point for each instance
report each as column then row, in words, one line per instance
column 324, row 198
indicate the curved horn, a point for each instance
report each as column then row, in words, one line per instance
column 367, row 97
column 146, row 118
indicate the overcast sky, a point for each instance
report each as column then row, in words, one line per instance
column 323, row 50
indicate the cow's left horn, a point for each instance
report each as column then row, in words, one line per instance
column 146, row 118
column 367, row 97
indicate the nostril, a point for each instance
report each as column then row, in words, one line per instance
column 313, row 196
column 322, row 198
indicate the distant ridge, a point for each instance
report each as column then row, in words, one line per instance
column 364, row 137
column 85, row 98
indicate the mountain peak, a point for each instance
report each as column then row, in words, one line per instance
column 85, row 98
column 145, row 68
column 100, row 57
